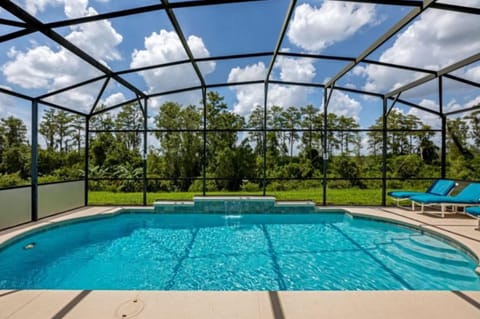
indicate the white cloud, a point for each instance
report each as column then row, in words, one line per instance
column 166, row 47
column 79, row 99
column 41, row 67
column 288, row 69
column 471, row 73
column 466, row 3
column 474, row 102
column 295, row 70
column 427, row 118
column 437, row 39
column 113, row 99
column 35, row 6
column 314, row 29
column 453, row 105
column 99, row 39
column 44, row 67
column 433, row 120
column 252, row 72
column 183, row 98
column 342, row 104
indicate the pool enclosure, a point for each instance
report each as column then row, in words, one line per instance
column 125, row 102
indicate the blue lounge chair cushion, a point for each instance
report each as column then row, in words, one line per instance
column 405, row 194
column 469, row 195
column 474, row 210
column 440, row 187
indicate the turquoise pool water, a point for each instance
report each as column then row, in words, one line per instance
column 322, row 251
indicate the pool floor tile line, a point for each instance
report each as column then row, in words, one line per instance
column 171, row 282
column 375, row 259
column 273, row 256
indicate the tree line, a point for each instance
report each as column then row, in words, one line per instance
column 232, row 148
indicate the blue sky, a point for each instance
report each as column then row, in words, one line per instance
column 35, row 65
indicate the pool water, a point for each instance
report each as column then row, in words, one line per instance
column 323, row 251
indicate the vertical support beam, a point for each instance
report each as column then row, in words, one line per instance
column 34, row 170
column 204, row 151
column 326, row 99
column 145, row 147
column 443, row 156
column 265, row 114
column 384, row 153
column 87, row 154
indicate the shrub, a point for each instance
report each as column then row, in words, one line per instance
column 10, row 180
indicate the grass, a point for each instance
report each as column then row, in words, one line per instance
column 350, row 196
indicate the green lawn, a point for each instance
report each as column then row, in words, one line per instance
column 350, row 196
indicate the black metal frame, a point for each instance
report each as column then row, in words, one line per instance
column 28, row 24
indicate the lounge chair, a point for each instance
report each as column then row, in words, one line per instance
column 469, row 196
column 441, row 187
column 474, row 211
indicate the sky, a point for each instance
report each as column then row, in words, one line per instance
column 35, row 65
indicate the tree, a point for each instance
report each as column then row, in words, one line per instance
column 332, row 136
column 130, row 118
column 14, row 132
column 427, row 150
column 406, row 134
column 255, row 121
column 312, row 140
column 345, row 137
column 291, row 119
column 348, row 169
column 311, row 122
column 407, row 166
column 61, row 130
column 64, row 129
column 48, row 128
column 78, row 128
column 375, row 137
column 233, row 164
column 457, row 138
column 474, row 134
column 102, row 143
column 14, row 150
column 180, row 150
column 218, row 117
column 16, row 159
column 275, row 142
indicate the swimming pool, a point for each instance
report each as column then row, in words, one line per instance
column 296, row 251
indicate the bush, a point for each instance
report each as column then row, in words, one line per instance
column 10, row 180
column 407, row 166
column 339, row 184
column 197, row 186
column 251, row 187
column 348, row 169
column 48, row 179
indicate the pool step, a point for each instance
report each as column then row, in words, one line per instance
column 432, row 244
column 445, row 257
column 396, row 255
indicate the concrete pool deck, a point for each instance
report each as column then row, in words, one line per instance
column 278, row 305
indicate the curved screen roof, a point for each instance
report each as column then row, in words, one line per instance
column 78, row 54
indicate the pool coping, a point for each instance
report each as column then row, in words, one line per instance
column 254, row 304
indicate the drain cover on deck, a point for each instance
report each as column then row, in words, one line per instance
column 129, row 309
